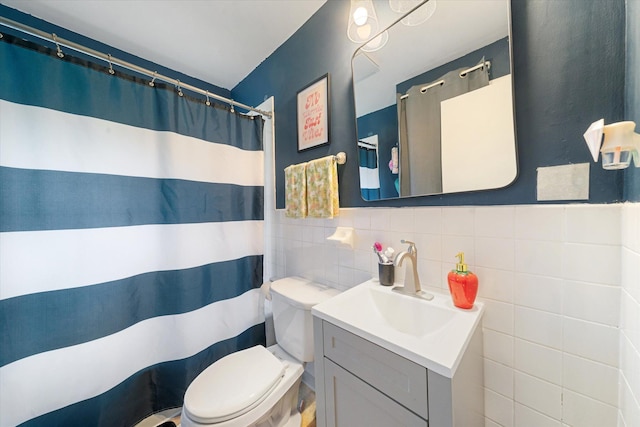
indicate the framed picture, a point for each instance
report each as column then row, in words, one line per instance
column 313, row 114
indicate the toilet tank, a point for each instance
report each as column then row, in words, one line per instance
column 292, row 299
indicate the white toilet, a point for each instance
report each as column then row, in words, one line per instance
column 258, row 387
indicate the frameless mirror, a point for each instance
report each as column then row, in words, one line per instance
column 434, row 105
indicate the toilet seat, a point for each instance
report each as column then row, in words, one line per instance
column 233, row 385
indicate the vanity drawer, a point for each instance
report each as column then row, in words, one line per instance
column 399, row 378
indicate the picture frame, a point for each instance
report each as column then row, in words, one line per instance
column 312, row 116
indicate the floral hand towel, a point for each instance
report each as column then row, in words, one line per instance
column 295, row 190
column 322, row 188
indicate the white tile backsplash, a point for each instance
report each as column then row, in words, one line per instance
column 380, row 219
column 592, row 379
column 538, row 394
column 402, row 221
column 630, row 322
column 539, row 292
column 430, row 246
column 592, row 263
column 498, row 408
column 496, row 284
column 452, row 245
column 629, row 409
column 540, row 327
column 458, row 221
column 527, row 417
column 496, row 222
column 538, row 257
column 629, row 381
column 539, row 222
column 561, row 290
column 591, row 340
column 430, row 273
column 498, row 316
column 630, row 272
column 593, row 224
column 346, row 256
column 498, row 378
column 428, row 220
column 498, row 347
column 362, row 260
column 494, row 253
column 538, row 361
column 594, row 303
column 362, row 219
column 580, row 410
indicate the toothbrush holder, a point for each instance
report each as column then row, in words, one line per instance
column 386, row 273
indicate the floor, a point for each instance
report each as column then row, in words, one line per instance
column 159, row 418
column 306, row 405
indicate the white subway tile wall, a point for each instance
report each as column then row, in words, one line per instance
column 560, row 285
column 629, row 381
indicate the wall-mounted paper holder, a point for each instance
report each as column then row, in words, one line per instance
column 344, row 235
column 619, row 144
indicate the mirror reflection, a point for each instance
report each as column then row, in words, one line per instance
column 434, row 105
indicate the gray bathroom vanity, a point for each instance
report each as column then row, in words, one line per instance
column 374, row 367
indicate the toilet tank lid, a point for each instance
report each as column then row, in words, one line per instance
column 301, row 292
column 232, row 385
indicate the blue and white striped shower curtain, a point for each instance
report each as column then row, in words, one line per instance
column 131, row 248
column 369, row 178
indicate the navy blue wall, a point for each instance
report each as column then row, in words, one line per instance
column 632, row 110
column 569, row 71
column 47, row 27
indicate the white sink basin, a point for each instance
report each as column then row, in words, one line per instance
column 406, row 315
column 432, row 333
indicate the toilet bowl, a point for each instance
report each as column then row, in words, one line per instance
column 258, row 387
column 236, row 401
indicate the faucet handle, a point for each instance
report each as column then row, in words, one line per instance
column 412, row 246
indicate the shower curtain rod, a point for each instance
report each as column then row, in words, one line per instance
column 462, row 75
column 124, row 64
column 468, row 70
column 367, row 145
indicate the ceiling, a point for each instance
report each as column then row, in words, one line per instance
column 217, row 41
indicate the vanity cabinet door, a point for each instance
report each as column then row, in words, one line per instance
column 401, row 379
column 350, row 402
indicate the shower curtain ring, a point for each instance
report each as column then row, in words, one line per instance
column 152, row 82
column 233, row 110
column 208, row 102
column 110, row 65
column 179, row 89
column 55, row 40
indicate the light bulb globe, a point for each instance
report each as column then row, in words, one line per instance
column 360, row 16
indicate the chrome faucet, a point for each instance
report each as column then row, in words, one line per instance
column 411, row 280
